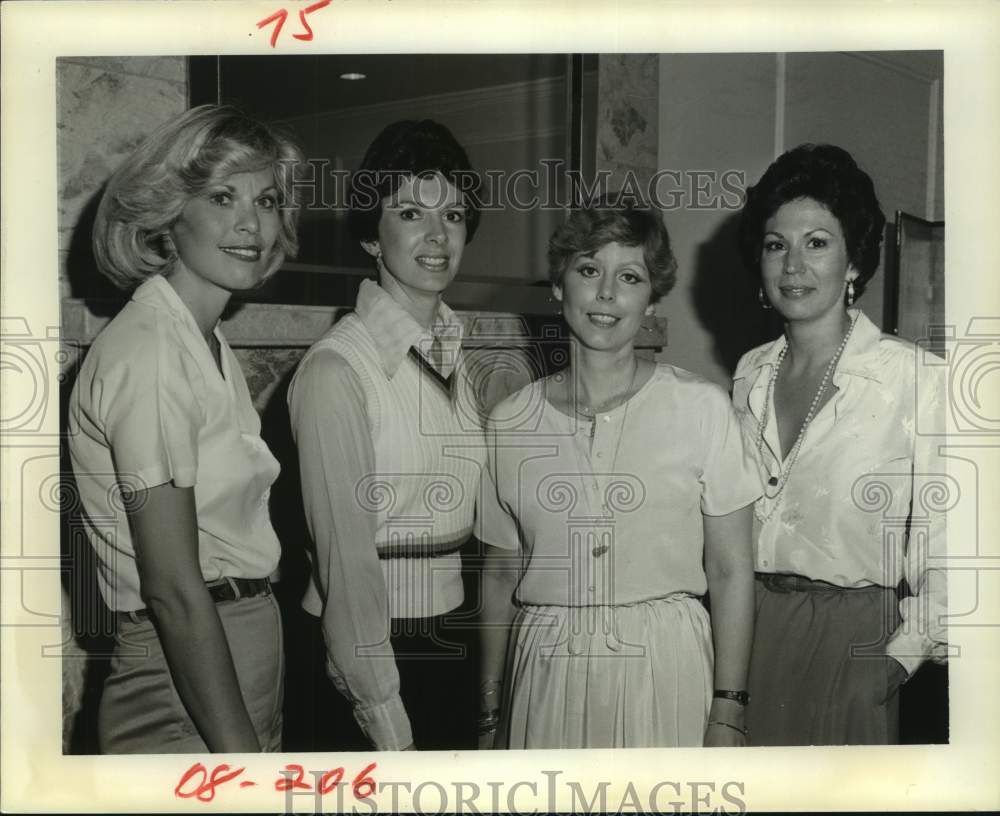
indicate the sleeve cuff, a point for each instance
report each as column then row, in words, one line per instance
column 156, row 475
column 501, row 543
column 385, row 724
column 911, row 651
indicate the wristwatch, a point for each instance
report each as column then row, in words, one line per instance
column 740, row 697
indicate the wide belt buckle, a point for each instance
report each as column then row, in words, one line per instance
column 779, row 582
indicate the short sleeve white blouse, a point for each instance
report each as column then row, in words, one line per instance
column 616, row 518
column 149, row 407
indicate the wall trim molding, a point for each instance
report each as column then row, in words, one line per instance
column 780, row 101
column 471, row 108
column 889, row 65
column 278, row 325
column 933, row 113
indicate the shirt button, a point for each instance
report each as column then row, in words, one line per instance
column 600, row 455
column 595, row 485
column 765, row 563
column 607, row 419
column 591, row 588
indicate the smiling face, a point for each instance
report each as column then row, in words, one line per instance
column 225, row 235
column 803, row 263
column 421, row 236
column 605, row 295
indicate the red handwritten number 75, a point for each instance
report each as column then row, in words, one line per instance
column 281, row 15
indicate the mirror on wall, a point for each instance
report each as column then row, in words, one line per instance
column 520, row 117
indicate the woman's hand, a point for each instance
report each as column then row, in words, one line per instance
column 718, row 735
column 489, row 708
column 725, row 727
column 896, row 675
column 487, row 739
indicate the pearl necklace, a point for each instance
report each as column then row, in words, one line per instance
column 781, row 480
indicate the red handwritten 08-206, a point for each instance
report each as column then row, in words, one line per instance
column 199, row 783
column 279, row 17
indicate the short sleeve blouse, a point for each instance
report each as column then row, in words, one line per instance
column 616, row 518
column 149, row 407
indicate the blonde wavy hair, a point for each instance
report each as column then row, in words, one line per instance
column 148, row 192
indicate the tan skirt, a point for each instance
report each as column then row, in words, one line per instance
column 630, row 676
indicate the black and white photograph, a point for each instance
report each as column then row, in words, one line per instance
column 606, row 409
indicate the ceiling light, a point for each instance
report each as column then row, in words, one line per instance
column 352, row 75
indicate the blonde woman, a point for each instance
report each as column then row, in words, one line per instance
column 166, row 447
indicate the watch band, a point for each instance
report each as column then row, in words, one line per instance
column 740, row 697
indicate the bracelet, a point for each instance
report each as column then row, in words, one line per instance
column 740, row 697
column 489, row 717
column 744, row 731
column 488, row 722
column 489, row 692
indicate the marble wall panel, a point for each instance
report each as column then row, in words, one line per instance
column 268, row 370
column 105, row 106
column 169, row 69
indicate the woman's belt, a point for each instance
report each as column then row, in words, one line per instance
column 680, row 595
column 786, row 582
column 225, row 589
column 434, row 550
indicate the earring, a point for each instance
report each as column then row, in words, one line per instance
column 762, row 299
column 850, row 293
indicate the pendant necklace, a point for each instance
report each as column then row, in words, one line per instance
column 591, row 413
column 588, row 412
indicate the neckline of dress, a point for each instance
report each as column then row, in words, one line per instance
column 577, row 418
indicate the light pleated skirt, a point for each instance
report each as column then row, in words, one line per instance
column 631, row 676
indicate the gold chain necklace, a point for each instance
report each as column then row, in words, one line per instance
column 591, row 413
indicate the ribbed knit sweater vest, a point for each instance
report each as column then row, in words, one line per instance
column 429, row 454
